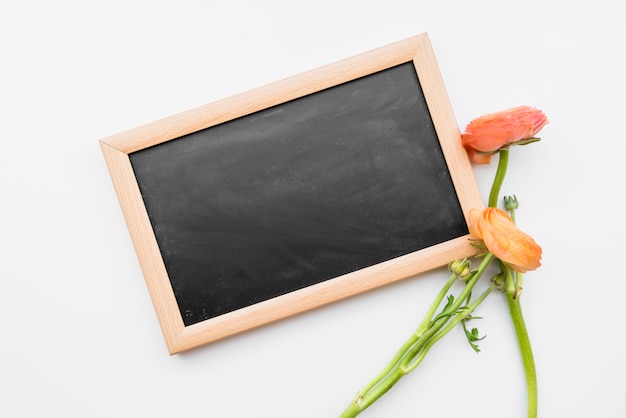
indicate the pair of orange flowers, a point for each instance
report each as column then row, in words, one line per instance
column 484, row 137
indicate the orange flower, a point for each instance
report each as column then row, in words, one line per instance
column 487, row 134
column 502, row 238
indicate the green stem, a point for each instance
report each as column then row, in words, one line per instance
column 526, row 350
column 466, row 312
column 518, row 285
column 437, row 325
column 433, row 307
column 499, row 179
column 392, row 373
column 411, row 341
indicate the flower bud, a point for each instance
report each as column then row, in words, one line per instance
column 499, row 280
column 461, row 268
column 510, row 203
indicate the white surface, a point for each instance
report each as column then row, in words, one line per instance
column 79, row 334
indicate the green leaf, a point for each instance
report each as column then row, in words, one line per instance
column 472, row 336
column 444, row 313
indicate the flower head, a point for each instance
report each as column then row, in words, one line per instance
column 502, row 238
column 487, row 134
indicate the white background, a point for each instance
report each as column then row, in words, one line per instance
column 78, row 333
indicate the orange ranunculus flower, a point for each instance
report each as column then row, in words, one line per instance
column 487, row 134
column 502, row 238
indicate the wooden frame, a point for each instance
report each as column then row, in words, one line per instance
column 117, row 148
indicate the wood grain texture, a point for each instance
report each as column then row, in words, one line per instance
column 145, row 244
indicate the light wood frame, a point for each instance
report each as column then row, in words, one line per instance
column 116, row 150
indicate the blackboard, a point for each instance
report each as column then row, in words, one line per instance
column 326, row 185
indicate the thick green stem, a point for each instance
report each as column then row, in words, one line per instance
column 464, row 315
column 499, row 179
column 513, row 292
column 526, row 351
column 443, row 319
column 427, row 330
column 411, row 341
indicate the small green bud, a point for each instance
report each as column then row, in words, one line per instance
column 499, row 280
column 461, row 268
column 510, row 203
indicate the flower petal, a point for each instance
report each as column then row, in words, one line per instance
column 502, row 238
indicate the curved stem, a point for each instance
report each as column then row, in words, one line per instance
column 441, row 322
column 503, row 163
column 466, row 312
column 393, row 372
column 411, row 341
column 526, row 351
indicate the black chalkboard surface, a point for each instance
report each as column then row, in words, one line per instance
column 333, row 190
column 299, row 193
